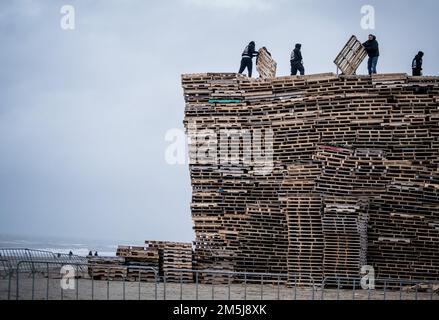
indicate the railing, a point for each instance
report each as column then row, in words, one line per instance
column 241, row 281
column 82, row 271
column 12, row 256
column 396, row 288
column 142, row 282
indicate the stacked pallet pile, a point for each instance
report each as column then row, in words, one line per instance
column 211, row 257
column 351, row 177
column 139, row 261
column 302, row 206
column 107, row 268
column 175, row 259
column 344, row 224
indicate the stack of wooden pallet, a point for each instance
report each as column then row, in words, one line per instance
column 344, row 224
column 139, row 261
column 302, row 206
column 107, row 268
column 175, row 260
column 337, row 143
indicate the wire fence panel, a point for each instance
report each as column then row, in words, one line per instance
column 55, row 280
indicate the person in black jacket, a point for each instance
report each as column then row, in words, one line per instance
column 373, row 51
column 247, row 56
column 296, row 61
column 417, row 64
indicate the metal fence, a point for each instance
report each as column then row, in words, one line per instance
column 384, row 289
column 227, row 285
column 10, row 257
column 145, row 283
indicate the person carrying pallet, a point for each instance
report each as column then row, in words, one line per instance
column 417, row 64
column 247, row 58
column 296, row 61
column 373, row 51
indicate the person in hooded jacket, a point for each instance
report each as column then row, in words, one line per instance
column 417, row 64
column 247, row 58
column 373, row 51
column 296, row 61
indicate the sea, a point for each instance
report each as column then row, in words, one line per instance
column 80, row 247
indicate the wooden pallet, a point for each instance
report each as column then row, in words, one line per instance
column 351, row 56
column 265, row 65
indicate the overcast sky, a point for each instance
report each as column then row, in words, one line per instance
column 84, row 112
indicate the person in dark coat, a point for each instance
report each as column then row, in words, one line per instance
column 247, row 58
column 417, row 64
column 296, row 61
column 373, row 51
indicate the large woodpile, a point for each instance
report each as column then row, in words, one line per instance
column 354, row 177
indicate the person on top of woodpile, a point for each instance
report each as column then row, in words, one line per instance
column 373, row 51
column 247, row 58
column 297, row 61
column 417, row 64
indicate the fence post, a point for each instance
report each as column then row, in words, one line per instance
column 155, row 283
column 164, row 285
column 18, row 281
column 139, row 284
column 9, row 285
column 245, row 286
column 353, row 291
column 196, row 285
column 48, row 281
column 338, row 289
column 278, row 287
column 228, row 279
column 33, row 284
column 108, row 284
column 77, row 281
column 181, row 286
column 92, row 283
column 385, row 289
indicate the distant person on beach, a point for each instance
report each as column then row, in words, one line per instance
column 417, row 64
column 296, row 61
column 90, row 253
column 373, row 51
column 247, row 58
column 96, row 254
